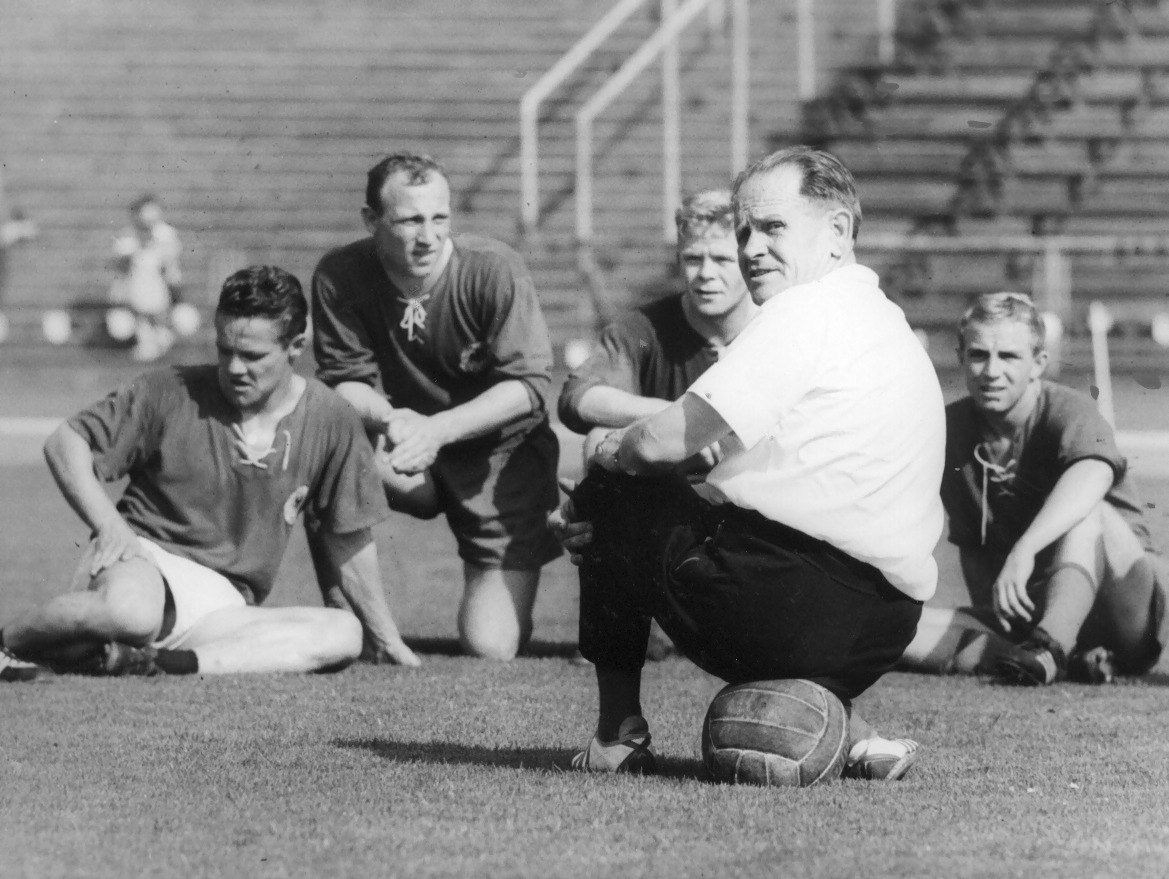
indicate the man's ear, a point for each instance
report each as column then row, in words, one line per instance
column 297, row 345
column 1040, row 364
column 369, row 217
column 840, row 221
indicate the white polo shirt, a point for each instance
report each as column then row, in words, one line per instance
column 842, row 423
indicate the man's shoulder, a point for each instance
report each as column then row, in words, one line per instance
column 665, row 311
column 168, row 389
column 180, row 381
column 324, row 405
column 1060, row 396
column 482, row 253
column 347, row 257
column 1061, row 409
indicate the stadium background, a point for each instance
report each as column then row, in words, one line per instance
column 995, row 126
column 987, row 137
column 990, row 128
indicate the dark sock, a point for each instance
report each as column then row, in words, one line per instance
column 177, row 662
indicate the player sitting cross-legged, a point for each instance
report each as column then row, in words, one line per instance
column 1054, row 546
column 222, row 460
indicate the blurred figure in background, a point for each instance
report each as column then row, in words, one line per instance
column 149, row 279
column 13, row 229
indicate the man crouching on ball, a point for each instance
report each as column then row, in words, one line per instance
column 222, row 460
column 807, row 553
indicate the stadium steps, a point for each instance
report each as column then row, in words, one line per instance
column 255, row 124
column 1090, row 160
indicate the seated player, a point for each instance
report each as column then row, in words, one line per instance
column 437, row 340
column 222, row 460
column 807, row 552
column 649, row 357
column 1054, row 546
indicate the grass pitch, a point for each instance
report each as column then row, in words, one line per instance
column 458, row 768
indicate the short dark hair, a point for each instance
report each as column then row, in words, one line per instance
column 418, row 168
column 708, row 209
column 991, row 308
column 824, row 178
column 269, row 292
column 142, row 201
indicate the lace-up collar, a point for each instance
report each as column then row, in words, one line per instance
column 251, row 458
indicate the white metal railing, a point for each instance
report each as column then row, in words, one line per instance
column 542, row 88
column 885, row 13
column 806, row 60
column 1052, row 281
column 665, row 36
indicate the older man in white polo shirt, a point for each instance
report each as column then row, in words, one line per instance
column 808, row 551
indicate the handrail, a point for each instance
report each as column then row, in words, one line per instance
column 542, row 88
column 1052, row 280
column 667, row 32
column 919, row 242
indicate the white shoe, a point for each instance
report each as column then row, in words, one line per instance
column 629, row 753
column 879, row 759
column 13, row 668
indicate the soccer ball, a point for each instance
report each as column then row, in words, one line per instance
column 785, row 733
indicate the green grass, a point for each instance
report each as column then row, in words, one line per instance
column 458, row 769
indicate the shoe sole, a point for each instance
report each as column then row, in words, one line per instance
column 1010, row 672
column 874, row 770
column 21, row 676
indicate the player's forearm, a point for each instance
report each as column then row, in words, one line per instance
column 681, row 430
column 496, row 407
column 359, row 575
column 1077, row 492
column 372, row 407
column 603, row 406
column 70, row 460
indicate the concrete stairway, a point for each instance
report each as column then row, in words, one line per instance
column 255, row 123
column 1014, row 120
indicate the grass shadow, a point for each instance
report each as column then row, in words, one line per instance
column 540, row 759
column 450, row 647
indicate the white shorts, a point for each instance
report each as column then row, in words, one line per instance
column 197, row 591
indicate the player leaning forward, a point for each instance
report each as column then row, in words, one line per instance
column 222, row 460
column 451, row 330
column 807, row 552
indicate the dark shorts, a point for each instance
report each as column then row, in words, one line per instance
column 743, row 597
column 497, row 499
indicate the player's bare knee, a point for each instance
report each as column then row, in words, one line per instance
column 339, row 641
column 500, row 643
column 127, row 610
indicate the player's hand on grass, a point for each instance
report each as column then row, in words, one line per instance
column 1011, row 601
column 116, row 542
column 390, row 653
column 413, row 441
column 573, row 535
